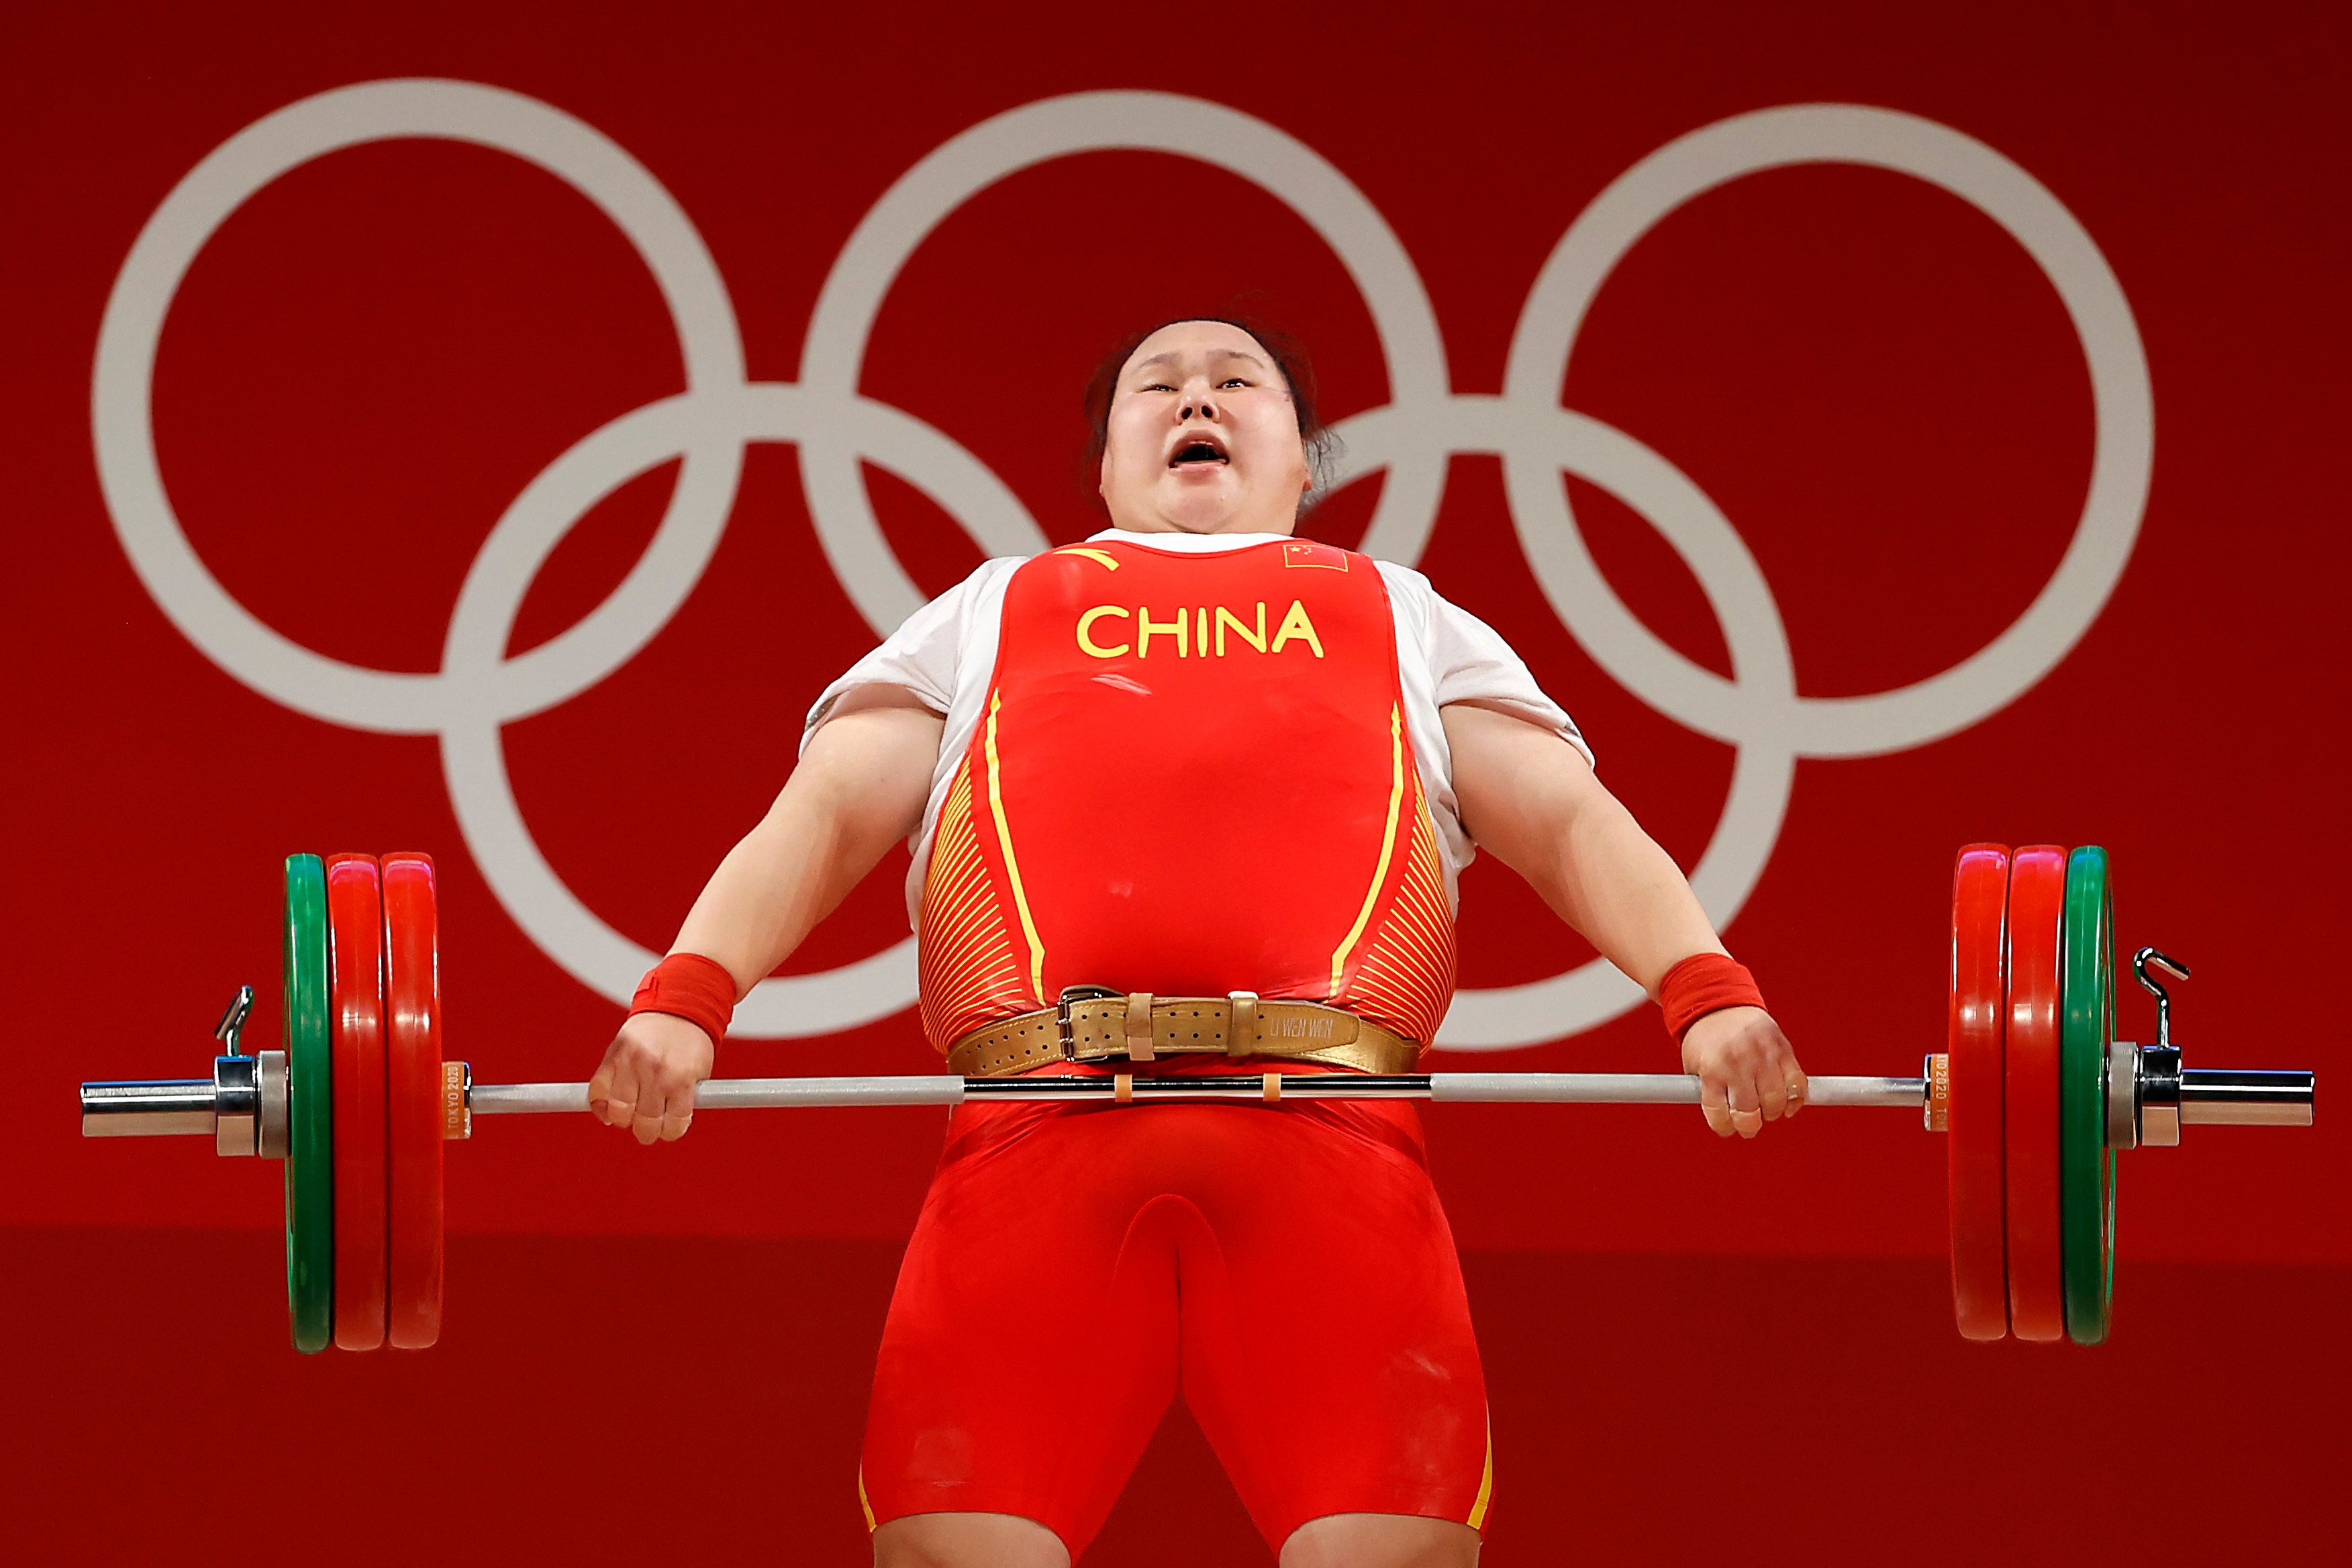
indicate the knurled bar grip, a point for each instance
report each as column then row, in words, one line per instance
column 1541, row 1087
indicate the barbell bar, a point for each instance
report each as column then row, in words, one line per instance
column 227, row 1108
column 2117, row 1095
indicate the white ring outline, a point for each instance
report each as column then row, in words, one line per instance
column 473, row 752
column 1774, row 726
column 1535, row 439
column 2122, row 403
column 122, row 387
column 965, row 166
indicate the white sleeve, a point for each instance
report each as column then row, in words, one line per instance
column 924, row 654
column 1446, row 654
column 1470, row 662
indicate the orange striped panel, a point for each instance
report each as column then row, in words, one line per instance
column 1403, row 978
column 970, row 970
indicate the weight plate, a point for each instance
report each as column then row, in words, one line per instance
column 2037, row 898
column 355, row 932
column 2087, row 1164
column 413, row 1097
column 1973, row 1127
column 311, row 1140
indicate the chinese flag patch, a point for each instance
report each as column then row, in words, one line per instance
column 1306, row 552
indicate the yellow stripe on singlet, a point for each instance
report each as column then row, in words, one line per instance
column 1013, row 866
column 1478, row 1510
column 867, row 1508
column 1388, row 849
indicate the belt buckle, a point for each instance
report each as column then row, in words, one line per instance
column 1062, row 1014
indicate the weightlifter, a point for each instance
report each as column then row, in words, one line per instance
column 1191, row 796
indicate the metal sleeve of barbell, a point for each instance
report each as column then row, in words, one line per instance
column 1652, row 1089
column 164, row 1107
column 2223, row 1097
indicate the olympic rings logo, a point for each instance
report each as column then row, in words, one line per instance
column 479, row 689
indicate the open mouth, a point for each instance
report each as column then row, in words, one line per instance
column 1199, row 451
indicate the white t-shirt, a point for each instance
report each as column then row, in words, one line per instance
column 946, row 654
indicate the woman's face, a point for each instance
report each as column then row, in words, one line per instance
column 1202, row 436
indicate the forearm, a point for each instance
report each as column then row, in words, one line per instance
column 859, row 789
column 770, row 892
column 1531, row 800
column 1609, row 880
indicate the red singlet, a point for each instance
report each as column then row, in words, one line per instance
column 1192, row 776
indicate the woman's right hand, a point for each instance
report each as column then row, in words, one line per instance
column 647, row 1080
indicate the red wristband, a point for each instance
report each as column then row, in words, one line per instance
column 690, row 986
column 1702, row 983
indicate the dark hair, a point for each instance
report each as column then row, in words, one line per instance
column 1290, row 355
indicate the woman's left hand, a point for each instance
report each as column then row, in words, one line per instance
column 1748, row 1072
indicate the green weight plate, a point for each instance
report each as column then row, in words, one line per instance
column 2086, row 1163
column 311, row 1158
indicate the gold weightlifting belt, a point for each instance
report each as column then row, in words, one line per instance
column 1093, row 1024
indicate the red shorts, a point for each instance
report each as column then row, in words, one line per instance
column 1287, row 1266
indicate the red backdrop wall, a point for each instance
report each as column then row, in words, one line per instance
column 1876, row 391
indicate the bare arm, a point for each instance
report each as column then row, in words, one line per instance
column 1531, row 799
column 859, row 788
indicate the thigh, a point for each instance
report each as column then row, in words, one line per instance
column 1030, row 1346
column 1328, row 1350
column 1380, row 1541
column 994, row 1540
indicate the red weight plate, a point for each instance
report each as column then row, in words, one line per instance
column 413, row 1084
column 355, row 1013
column 1973, row 1128
column 2037, row 1284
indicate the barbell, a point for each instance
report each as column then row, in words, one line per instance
column 2032, row 1091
